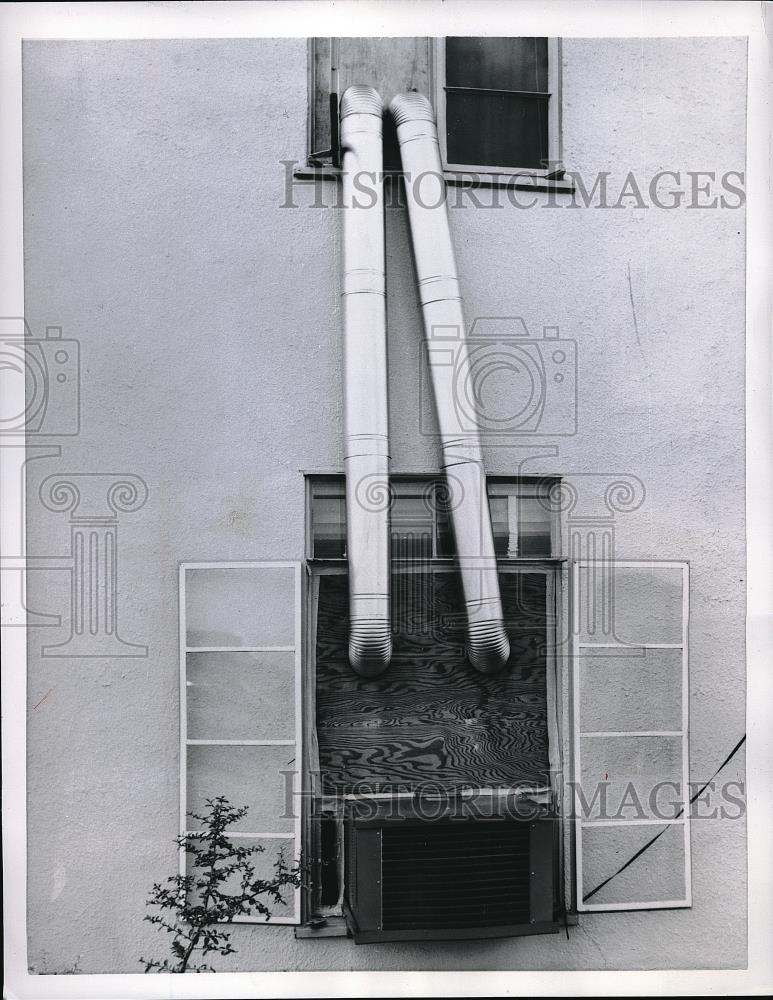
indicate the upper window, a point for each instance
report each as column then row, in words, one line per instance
column 497, row 99
column 522, row 518
column 497, row 104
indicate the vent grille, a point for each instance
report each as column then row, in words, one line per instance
column 446, row 876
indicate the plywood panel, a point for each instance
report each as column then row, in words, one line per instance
column 432, row 717
column 391, row 65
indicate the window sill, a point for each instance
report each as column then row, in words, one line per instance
column 332, row 927
column 444, row 560
column 456, row 178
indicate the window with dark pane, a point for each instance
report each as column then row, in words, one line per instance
column 328, row 517
column 497, row 98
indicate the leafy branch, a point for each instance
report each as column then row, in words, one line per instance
column 194, row 907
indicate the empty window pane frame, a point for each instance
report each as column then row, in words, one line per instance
column 471, row 99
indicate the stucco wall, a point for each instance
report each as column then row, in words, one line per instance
column 209, row 330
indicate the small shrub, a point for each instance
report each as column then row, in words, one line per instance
column 194, row 907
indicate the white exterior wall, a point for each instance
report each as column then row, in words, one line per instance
column 209, row 329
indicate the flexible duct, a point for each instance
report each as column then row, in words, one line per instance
column 366, row 457
column 488, row 648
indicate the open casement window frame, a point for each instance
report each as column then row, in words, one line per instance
column 578, row 735
column 323, row 159
column 505, row 172
column 295, row 837
column 317, row 154
column 553, row 568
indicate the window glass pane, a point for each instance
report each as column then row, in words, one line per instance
column 499, row 524
column 642, row 692
column 657, row 874
column 238, row 696
column 256, row 777
column 240, row 606
column 629, row 773
column 329, row 527
column 533, row 527
column 631, row 605
column 411, row 523
column 504, row 130
column 497, row 63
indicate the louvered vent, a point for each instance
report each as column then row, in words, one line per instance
column 452, row 876
column 408, row 879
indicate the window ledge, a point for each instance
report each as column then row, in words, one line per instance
column 332, row 927
column 442, row 561
column 456, row 178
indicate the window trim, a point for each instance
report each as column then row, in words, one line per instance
column 553, row 172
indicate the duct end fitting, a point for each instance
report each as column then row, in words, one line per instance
column 411, row 107
column 488, row 648
column 370, row 647
column 359, row 100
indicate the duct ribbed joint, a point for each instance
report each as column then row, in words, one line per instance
column 411, row 107
column 370, row 647
column 487, row 646
column 358, row 100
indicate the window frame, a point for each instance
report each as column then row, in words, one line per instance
column 497, row 486
column 554, row 170
column 579, row 651
column 185, row 649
